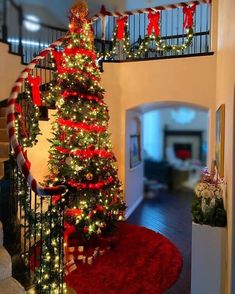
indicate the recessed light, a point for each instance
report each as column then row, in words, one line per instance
column 32, row 23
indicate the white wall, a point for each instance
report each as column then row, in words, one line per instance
column 133, row 176
column 152, row 133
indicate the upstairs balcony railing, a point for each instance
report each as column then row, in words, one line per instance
column 172, row 33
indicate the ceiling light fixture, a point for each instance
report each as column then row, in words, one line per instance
column 32, row 23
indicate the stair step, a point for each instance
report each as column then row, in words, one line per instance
column 3, row 135
column 3, row 122
column 11, row 286
column 1, row 234
column 2, row 169
column 5, row 264
column 3, row 111
column 4, row 149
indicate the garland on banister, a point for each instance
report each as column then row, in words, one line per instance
column 153, row 36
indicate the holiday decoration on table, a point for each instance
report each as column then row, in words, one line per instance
column 208, row 206
column 81, row 154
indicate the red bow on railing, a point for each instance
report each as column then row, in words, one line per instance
column 121, row 27
column 35, row 83
column 153, row 25
column 188, row 16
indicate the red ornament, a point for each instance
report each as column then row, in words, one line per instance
column 121, row 22
column 100, row 208
column 35, row 83
column 188, row 16
column 73, row 212
column 153, row 25
column 85, row 230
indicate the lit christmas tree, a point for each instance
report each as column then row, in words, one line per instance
column 81, row 155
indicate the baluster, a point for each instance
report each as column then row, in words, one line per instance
column 4, row 25
column 20, row 22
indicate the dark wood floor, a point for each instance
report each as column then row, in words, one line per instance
column 169, row 213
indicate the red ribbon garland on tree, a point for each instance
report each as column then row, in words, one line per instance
column 188, row 16
column 80, row 125
column 121, row 27
column 95, row 186
column 85, row 153
column 35, row 83
column 153, row 25
column 58, row 57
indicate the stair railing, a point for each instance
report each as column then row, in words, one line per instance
column 172, row 32
column 39, row 214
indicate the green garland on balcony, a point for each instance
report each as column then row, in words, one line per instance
column 160, row 45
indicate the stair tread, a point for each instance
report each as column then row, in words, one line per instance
column 11, row 286
column 5, row 264
column 2, row 159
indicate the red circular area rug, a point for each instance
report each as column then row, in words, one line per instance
column 144, row 262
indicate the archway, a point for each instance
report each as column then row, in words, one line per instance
column 167, row 183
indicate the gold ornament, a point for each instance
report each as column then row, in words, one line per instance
column 55, row 170
column 68, row 160
column 80, row 9
column 89, row 176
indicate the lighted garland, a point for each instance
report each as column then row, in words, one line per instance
column 27, row 122
column 153, row 35
column 49, row 225
column 160, row 45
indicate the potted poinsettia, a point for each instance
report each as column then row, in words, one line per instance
column 208, row 234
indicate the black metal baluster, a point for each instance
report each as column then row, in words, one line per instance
column 41, row 243
column 200, row 23
column 4, row 24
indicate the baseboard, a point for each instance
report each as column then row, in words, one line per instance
column 131, row 209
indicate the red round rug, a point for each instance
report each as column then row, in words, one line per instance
column 144, row 262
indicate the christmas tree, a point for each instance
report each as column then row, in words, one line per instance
column 81, row 155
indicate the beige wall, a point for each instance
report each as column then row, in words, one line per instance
column 10, row 67
column 225, row 93
column 145, row 84
column 134, row 176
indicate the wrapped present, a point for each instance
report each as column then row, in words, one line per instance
column 70, row 266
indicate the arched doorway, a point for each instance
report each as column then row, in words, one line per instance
column 173, row 146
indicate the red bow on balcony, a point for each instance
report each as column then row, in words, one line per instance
column 121, row 27
column 153, row 25
column 188, row 16
column 35, row 83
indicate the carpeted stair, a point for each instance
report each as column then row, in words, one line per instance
column 8, row 285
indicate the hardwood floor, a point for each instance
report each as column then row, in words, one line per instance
column 169, row 213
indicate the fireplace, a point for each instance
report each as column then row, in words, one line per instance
column 183, row 150
column 185, row 144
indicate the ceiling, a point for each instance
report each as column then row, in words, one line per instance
column 54, row 12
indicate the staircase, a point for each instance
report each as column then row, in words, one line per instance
column 8, row 285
